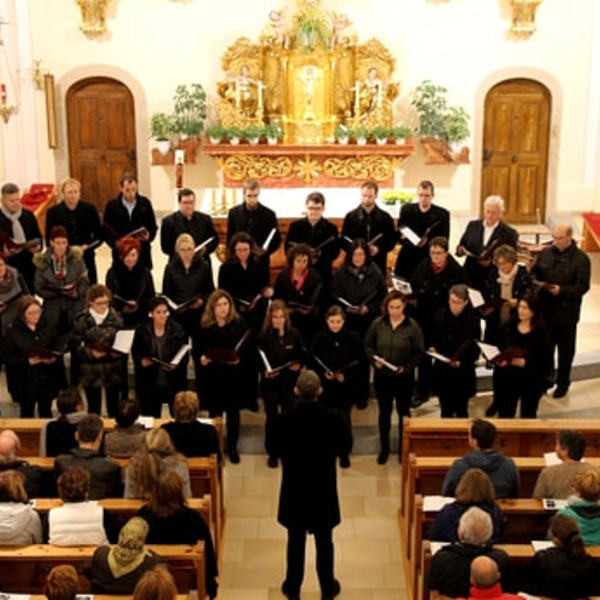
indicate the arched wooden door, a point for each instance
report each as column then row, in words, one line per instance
column 101, row 130
column 515, row 148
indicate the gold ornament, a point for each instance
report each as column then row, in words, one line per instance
column 307, row 169
column 242, row 166
column 378, row 168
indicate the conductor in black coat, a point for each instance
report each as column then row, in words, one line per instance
column 483, row 236
column 308, row 439
column 127, row 212
column 428, row 221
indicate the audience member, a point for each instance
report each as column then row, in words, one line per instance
column 58, row 436
column 62, row 583
column 12, row 287
column 105, row 473
column 485, row 581
column 584, row 507
column 19, row 523
column 501, row 469
column 156, row 584
column 35, row 480
column 556, row 481
column 127, row 436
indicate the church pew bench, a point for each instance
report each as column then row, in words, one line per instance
column 25, row 568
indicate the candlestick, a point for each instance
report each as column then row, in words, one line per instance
column 3, row 92
column 237, row 94
column 357, row 97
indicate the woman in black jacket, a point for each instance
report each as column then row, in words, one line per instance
column 453, row 334
column 246, row 278
column 157, row 342
column 130, row 282
column 524, row 370
column 282, row 354
column 31, row 353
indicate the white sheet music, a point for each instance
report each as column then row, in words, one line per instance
column 551, row 458
column 204, row 243
column 541, row 544
column 266, row 243
column 435, row 546
column 488, row 350
column 476, row 298
column 180, row 354
column 410, row 235
column 554, row 504
column 436, row 503
column 438, row 356
column 146, row 422
column 124, row 340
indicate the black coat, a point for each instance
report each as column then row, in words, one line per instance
column 193, row 438
column 200, row 227
column 181, row 284
column 118, row 221
column 308, row 439
column 360, row 224
column 569, row 269
column 136, row 284
column 36, row 481
column 302, row 231
column 412, row 216
column 472, row 240
column 257, row 223
column 280, row 350
column 23, row 260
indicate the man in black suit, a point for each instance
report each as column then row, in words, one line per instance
column 80, row 219
column 426, row 220
column 20, row 225
column 308, row 439
column 319, row 233
column 481, row 238
column 188, row 220
column 372, row 224
column 256, row 220
column 35, row 479
column 127, row 212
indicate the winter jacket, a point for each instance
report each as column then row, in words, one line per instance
column 19, row 524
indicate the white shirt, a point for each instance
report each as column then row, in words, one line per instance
column 488, row 230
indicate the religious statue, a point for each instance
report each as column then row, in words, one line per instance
column 245, row 92
column 93, row 16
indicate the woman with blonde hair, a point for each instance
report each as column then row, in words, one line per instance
column 19, row 523
column 474, row 489
column 584, row 508
column 155, row 456
column 62, row 583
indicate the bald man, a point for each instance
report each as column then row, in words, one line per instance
column 563, row 272
column 485, row 581
column 35, row 478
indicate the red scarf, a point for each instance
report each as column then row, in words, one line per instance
column 298, row 283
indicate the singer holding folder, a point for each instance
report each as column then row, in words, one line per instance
column 394, row 342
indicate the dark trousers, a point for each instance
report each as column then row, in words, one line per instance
column 152, row 405
column 424, row 368
column 278, row 396
column 27, row 400
column 453, row 403
column 337, row 397
column 387, row 389
column 296, row 546
column 563, row 337
column 94, row 399
column 510, row 385
column 233, row 424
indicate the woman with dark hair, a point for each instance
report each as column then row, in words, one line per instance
column 171, row 521
column 394, row 342
column 127, row 436
column 156, row 584
column 246, row 278
column 282, row 354
column 300, row 287
column 92, row 339
column 227, row 382
column 33, row 357
column 58, row 436
column 19, row 523
column 62, row 583
column 157, row 342
column 187, row 283
column 474, row 489
column 79, row 521
column 61, row 280
column 452, row 335
column 523, row 370
column 566, row 570
column 130, row 282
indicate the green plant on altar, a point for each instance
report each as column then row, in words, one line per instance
column 393, row 197
column 253, row 132
column 341, row 131
column 233, row 132
column 215, row 132
column 400, row 132
column 310, row 28
column 380, row 132
column 189, row 109
column 360, row 133
column 273, row 130
column 161, row 126
column 457, row 126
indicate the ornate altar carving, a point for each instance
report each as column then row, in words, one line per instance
column 523, row 16
column 93, row 16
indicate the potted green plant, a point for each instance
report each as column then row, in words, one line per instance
column 360, row 135
column 342, row 134
column 273, row 133
column 400, row 133
column 189, row 109
column 381, row 134
column 161, row 129
column 457, row 127
column 253, row 133
column 310, row 28
column 215, row 134
column 431, row 105
column 234, row 134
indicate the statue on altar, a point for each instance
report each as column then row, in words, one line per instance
column 245, row 92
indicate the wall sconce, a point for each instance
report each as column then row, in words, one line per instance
column 37, row 75
column 523, row 16
column 6, row 110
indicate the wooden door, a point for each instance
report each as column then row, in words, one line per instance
column 101, row 130
column 515, row 148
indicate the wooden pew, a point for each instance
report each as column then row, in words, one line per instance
column 25, row 568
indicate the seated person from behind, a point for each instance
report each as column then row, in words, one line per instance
column 500, row 469
column 189, row 436
column 128, row 435
column 156, row 584
column 556, row 481
column 473, row 489
column 584, row 507
column 485, row 581
column 35, row 479
column 566, row 570
column 58, row 436
column 449, row 573
column 105, row 473
column 171, row 521
column 62, row 583
column 19, row 523
column 117, row 569
column 78, row 521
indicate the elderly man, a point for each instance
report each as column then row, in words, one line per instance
column 485, row 581
column 449, row 573
column 10, row 446
column 481, row 238
column 563, row 272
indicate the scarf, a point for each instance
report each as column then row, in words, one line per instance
column 98, row 317
column 298, row 283
column 506, row 281
column 59, row 267
column 18, row 235
column 129, row 552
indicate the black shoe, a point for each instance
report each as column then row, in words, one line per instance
column 561, row 391
column 383, row 457
column 234, row 457
column 418, row 400
column 253, row 406
column 491, row 410
column 362, row 404
column 272, row 462
column 335, row 590
column 344, row 462
column 288, row 594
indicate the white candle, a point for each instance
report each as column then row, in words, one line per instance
column 357, row 97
